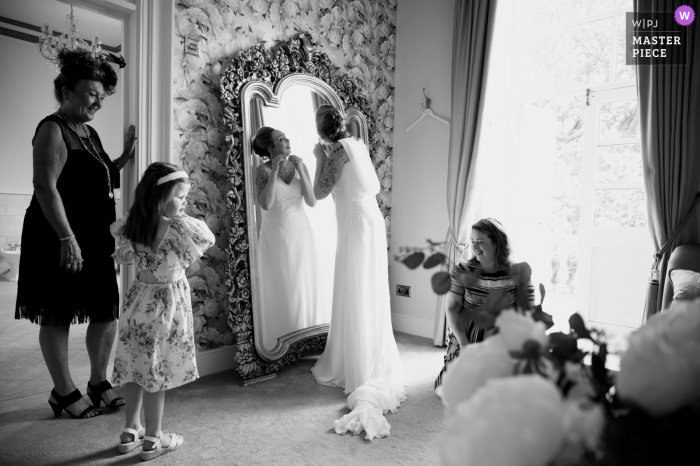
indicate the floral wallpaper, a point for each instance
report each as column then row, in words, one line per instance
column 359, row 36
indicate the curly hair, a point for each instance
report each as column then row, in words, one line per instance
column 495, row 232
column 77, row 65
column 329, row 123
column 149, row 203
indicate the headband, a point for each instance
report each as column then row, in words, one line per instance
column 172, row 176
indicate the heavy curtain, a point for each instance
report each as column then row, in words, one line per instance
column 473, row 24
column 669, row 115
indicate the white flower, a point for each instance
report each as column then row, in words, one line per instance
column 260, row 6
column 357, row 37
column 389, row 122
column 384, row 28
column 381, row 153
column 326, row 4
column 584, row 422
column 346, row 44
column 390, row 61
column 212, row 307
column 515, row 329
column 475, row 365
column 195, row 150
column 290, row 8
column 215, row 18
column 660, row 371
column 326, row 23
column 334, row 37
column 514, row 421
column 337, row 15
column 304, row 4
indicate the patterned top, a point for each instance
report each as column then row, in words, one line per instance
column 185, row 240
column 487, row 283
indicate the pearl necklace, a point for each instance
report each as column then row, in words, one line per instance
column 94, row 154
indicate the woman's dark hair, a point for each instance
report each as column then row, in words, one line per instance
column 142, row 223
column 329, row 122
column 495, row 232
column 77, row 65
column 263, row 142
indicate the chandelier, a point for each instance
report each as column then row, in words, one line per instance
column 49, row 45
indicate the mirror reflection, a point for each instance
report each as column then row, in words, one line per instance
column 296, row 233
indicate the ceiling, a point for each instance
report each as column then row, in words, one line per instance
column 38, row 12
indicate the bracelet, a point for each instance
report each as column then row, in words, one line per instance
column 66, row 238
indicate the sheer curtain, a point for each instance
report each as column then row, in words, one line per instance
column 471, row 44
column 669, row 109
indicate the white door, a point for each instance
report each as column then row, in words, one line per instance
column 615, row 246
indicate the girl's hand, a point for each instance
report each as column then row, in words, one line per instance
column 71, row 257
column 297, row 161
column 276, row 163
column 319, row 152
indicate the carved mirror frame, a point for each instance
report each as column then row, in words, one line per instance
column 267, row 73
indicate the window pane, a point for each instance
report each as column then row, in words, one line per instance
column 542, row 47
column 620, row 208
column 627, row 4
column 581, row 8
column 623, row 71
column 588, row 54
column 621, row 163
column 618, row 120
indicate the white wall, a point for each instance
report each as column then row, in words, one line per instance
column 26, row 96
column 419, row 202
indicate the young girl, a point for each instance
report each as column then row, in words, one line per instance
column 155, row 351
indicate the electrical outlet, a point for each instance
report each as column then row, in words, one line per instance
column 403, row 290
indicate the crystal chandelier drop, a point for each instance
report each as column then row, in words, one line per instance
column 49, row 45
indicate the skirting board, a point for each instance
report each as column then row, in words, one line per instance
column 412, row 325
column 216, row 360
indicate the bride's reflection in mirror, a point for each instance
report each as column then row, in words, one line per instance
column 297, row 234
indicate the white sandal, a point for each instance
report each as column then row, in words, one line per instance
column 175, row 442
column 138, row 440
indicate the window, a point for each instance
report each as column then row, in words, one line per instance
column 560, row 162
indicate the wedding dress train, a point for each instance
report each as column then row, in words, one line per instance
column 361, row 354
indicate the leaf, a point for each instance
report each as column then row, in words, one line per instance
column 434, row 260
column 540, row 316
column 412, row 261
column 564, row 347
column 600, row 373
column 441, row 282
column 578, row 326
column 542, row 293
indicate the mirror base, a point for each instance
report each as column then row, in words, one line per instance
column 255, row 380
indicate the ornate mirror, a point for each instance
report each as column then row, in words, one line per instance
column 281, row 92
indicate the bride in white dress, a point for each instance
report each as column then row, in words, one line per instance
column 361, row 354
column 290, row 296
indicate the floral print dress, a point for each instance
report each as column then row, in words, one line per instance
column 156, row 346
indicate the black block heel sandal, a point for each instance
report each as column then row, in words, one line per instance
column 95, row 393
column 63, row 402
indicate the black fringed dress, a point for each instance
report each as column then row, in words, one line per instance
column 46, row 293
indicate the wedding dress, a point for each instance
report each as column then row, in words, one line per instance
column 361, row 354
column 289, row 267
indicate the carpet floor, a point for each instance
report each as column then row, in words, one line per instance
column 285, row 421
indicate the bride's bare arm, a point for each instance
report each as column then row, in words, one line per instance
column 265, row 186
column 306, row 188
column 328, row 170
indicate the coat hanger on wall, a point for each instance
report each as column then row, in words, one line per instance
column 427, row 113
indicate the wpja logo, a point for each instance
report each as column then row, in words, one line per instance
column 658, row 38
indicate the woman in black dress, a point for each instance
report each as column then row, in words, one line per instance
column 66, row 271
